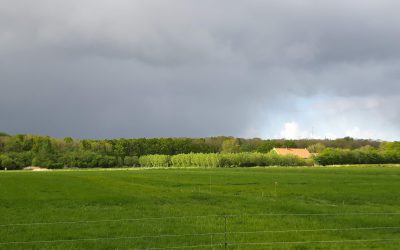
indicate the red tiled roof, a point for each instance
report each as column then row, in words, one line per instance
column 300, row 152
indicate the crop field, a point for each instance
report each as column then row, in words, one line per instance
column 232, row 208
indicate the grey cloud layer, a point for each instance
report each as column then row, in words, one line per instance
column 188, row 68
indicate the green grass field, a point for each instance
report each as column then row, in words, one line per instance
column 277, row 208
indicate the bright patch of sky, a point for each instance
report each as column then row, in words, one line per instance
column 335, row 117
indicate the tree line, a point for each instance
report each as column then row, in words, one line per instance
column 388, row 152
column 214, row 160
column 19, row 151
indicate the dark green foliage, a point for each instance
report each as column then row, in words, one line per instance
column 388, row 153
column 18, row 143
column 7, row 162
column 289, row 144
column 86, row 159
column 230, row 146
column 266, row 146
column 131, row 161
column 15, row 160
column 22, row 159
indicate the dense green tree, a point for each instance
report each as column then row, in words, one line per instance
column 268, row 145
column 131, row 161
column 289, row 144
column 68, row 140
column 7, row 162
column 390, row 146
column 22, row 159
column 121, row 150
column 316, row 148
column 230, row 146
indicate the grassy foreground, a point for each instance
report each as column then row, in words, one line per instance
column 277, row 208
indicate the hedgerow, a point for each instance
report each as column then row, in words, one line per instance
column 152, row 161
column 365, row 155
column 195, row 160
column 214, row 160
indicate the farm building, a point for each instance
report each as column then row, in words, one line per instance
column 300, row 152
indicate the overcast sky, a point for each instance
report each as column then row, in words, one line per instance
column 248, row 68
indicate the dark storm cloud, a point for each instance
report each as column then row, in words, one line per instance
column 189, row 68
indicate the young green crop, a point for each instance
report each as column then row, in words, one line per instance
column 306, row 208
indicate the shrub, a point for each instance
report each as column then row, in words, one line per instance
column 87, row 159
column 23, row 159
column 316, row 148
column 18, row 160
column 365, row 155
column 210, row 160
column 154, row 161
column 273, row 159
column 131, row 161
column 7, row 162
column 331, row 156
column 245, row 159
column 182, row 160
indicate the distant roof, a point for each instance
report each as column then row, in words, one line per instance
column 300, row 152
